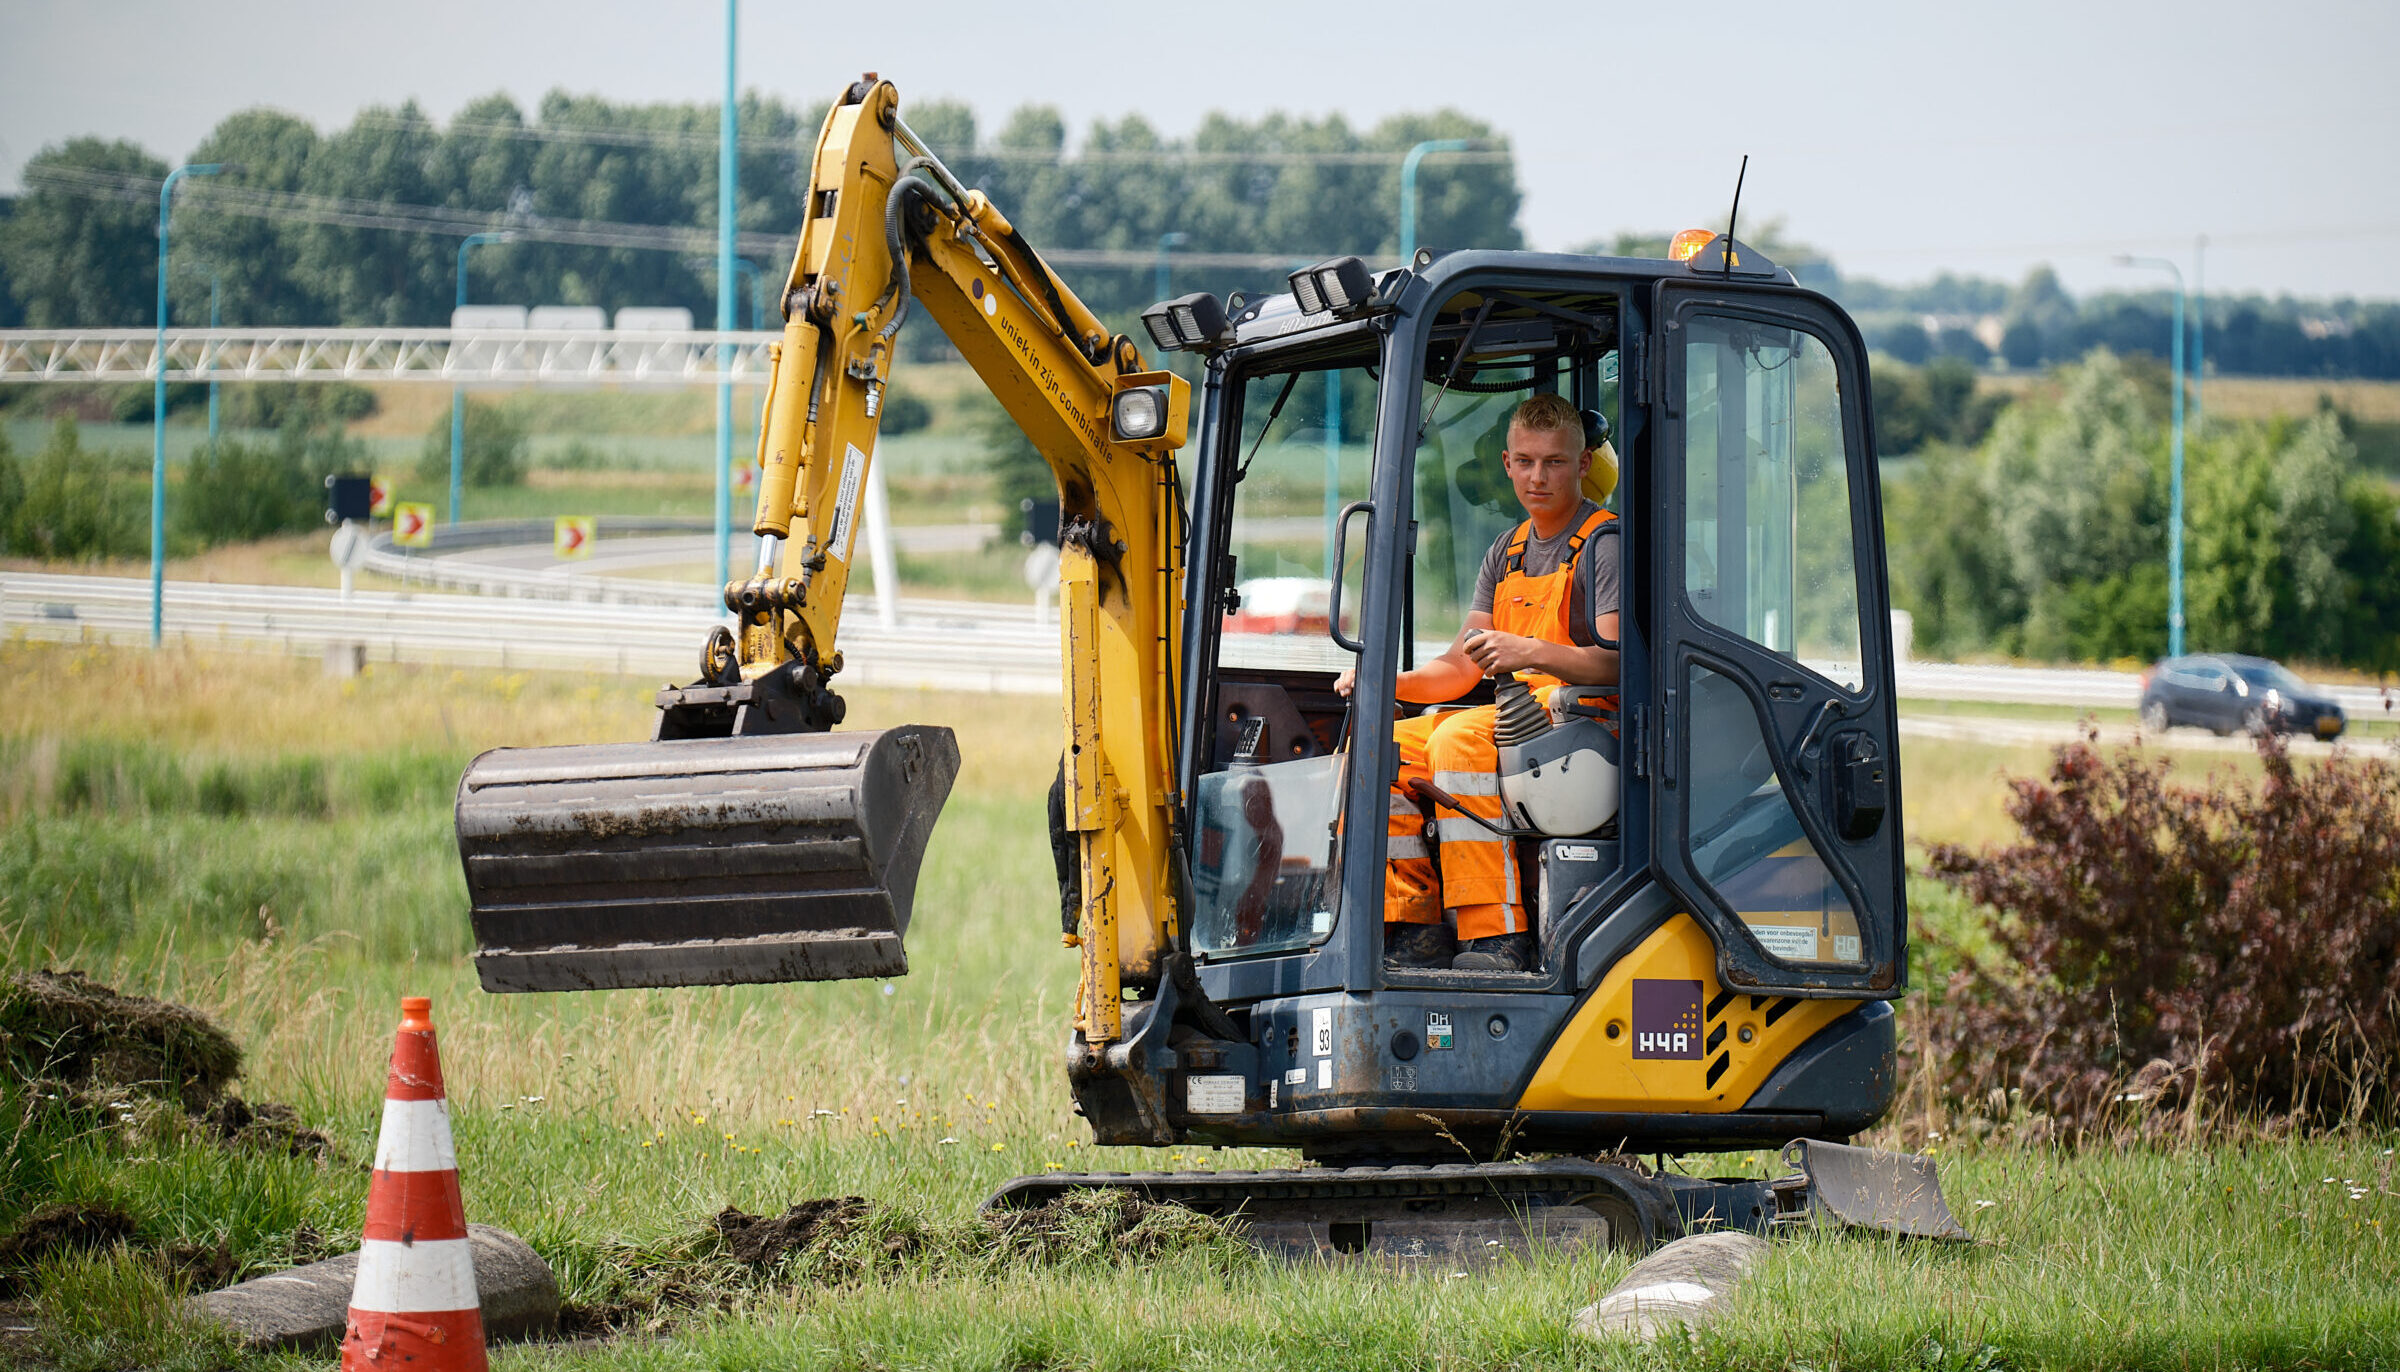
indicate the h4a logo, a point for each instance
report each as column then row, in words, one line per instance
column 1666, row 1019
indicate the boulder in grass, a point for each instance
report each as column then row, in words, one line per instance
column 1685, row 1283
column 306, row 1307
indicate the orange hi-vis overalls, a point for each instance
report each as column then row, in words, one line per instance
column 1454, row 750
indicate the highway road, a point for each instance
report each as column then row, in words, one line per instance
column 961, row 646
column 953, row 645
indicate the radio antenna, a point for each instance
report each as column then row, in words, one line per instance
column 1735, row 217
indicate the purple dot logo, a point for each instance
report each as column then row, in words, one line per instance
column 1666, row 1019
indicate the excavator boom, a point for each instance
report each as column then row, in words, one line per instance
column 748, row 843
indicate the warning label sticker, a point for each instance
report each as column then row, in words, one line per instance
column 1214, row 1095
column 1791, row 942
column 845, row 502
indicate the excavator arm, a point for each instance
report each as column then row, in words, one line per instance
column 740, row 876
column 889, row 226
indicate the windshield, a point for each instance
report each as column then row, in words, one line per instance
column 1488, row 356
column 2270, row 676
column 1306, row 451
column 1265, row 807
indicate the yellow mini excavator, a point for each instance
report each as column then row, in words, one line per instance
column 1712, row 861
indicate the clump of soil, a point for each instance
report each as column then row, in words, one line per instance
column 66, row 1028
column 131, row 1059
column 837, row 1239
column 1092, row 1225
column 55, row 1229
column 763, row 1242
column 267, row 1128
column 90, row 1061
column 84, row 1227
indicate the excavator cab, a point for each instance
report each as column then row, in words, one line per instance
column 1722, row 925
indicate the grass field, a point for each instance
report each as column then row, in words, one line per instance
column 242, row 835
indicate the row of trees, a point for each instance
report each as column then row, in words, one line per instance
column 2041, row 324
column 74, row 252
column 2048, row 539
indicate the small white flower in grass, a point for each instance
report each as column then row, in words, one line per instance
column 1985, row 1205
column 887, row 988
column 820, row 1113
column 533, row 1100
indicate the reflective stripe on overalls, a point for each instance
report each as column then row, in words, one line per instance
column 1477, row 875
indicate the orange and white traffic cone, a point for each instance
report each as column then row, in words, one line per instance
column 414, row 1304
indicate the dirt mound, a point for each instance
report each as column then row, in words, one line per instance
column 67, row 1028
column 1104, row 1225
column 267, row 1128
column 838, row 1239
column 762, row 1242
column 59, row 1228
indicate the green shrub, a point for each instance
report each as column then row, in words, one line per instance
column 314, row 405
column 12, row 487
column 74, row 503
column 905, row 412
column 133, row 403
column 234, row 492
column 2160, row 945
column 494, row 454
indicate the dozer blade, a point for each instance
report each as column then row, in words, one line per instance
column 699, row 862
column 1866, row 1188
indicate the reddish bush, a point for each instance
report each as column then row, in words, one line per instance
column 2156, row 937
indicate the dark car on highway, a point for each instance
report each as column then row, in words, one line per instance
column 2222, row 692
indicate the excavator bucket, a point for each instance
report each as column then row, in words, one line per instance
column 1866, row 1188
column 699, row 862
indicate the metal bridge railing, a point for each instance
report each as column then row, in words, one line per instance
column 448, row 357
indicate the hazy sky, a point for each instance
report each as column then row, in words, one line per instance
column 1902, row 139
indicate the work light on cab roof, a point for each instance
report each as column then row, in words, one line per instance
column 1190, row 321
column 1340, row 286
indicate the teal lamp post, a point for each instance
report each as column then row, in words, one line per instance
column 1408, row 188
column 458, row 394
column 746, row 270
column 2175, row 496
column 1170, row 239
column 158, row 409
column 728, row 174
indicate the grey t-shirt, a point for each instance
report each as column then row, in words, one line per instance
column 1596, row 568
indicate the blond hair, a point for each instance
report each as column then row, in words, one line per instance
column 1548, row 414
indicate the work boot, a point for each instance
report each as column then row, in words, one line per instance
column 1418, row 945
column 1499, row 953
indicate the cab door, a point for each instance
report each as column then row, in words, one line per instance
column 1776, row 798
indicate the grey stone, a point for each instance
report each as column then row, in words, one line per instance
column 1684, row 1283
column 306, row 1307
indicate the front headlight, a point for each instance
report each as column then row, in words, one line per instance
column 1140, row 414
